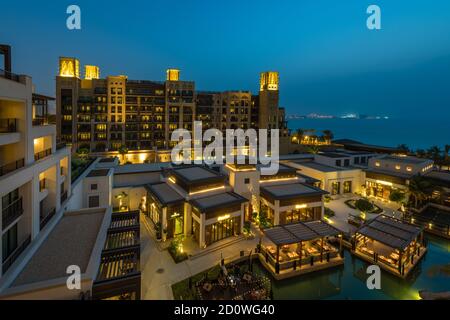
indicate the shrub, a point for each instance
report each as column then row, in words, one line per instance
column 397, row 196
column 329, row 213
column 364, row 205
column 247, row 226
column 175, row 250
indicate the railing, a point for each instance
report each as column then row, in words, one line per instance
column 60, row 145
column 42, row 154
column 12, row 212
column 9, row 75
column 15, row 254
column 47, row 218
column 41, row 121
column 12, row 166
column 42, row 185
column 8, row 125
column 63, row 197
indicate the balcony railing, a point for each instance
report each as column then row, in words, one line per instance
column 15, row 254
column 9, row 75
column 63, row 197
column 12, row 212
column 42, row 154
column 47, row 218
column 60, row 145
column 40, row 121
column 12, row 166
column 8, row 125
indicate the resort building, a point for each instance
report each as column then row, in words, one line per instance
column 387, row 173
column 104, row 114
column 396, row 246
column 35, row 173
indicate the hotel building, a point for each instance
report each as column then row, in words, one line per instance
column 35, row 172
column 102, row 114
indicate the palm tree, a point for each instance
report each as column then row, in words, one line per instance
column 419, row 189
column 299, row 134
column 446, row 152
column 421, row 153
column 328, row 135
column 434, row 153
column 123, row 150
column 313, row 149
column 403, row 147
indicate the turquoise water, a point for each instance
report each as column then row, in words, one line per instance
column 416, row 133
column 349, row 281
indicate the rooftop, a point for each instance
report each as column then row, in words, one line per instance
column 164, row 193
column 407, row 159
column 322, row 167
column 299, row 231
column 288, row 191
column 98, row 173
column 196, row 175
column 390, row 231
column 333, row 155
column 71, row 242
column 141, row 168
column 209, row 203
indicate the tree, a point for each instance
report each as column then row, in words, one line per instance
column 363, row 205
column 421, row 153
column 446, row 152
column 328, row 135
column 83, row 153
column 403, row 147
column 397, row 196
column 299, row 135
column 434, row 153
column 419, row 188
column 313, row 149
column 123, row 150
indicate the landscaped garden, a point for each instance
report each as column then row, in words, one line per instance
column 364, row 205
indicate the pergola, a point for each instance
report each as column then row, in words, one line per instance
column 299, row 233
column 392, row 240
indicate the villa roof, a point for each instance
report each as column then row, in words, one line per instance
column 290, row 191
column 98, row 173
column 141, row 168
column 210, row 203
column 196, row 174
column 406, row 159
column 398, row 177
column 299, row 231
column 390, row 231
column 164, row 193
column 323, row 168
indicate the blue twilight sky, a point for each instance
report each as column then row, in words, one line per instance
column 329, row 62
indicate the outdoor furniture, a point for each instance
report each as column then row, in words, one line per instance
column 207, row 287
column 247, row 277
column 292, row 255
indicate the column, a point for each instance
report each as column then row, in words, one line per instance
column 202, row 231
column 35, row 208
column 164, row 223
column 187, row 219
column 276, row 213
column 58, row 188
column 242, row 218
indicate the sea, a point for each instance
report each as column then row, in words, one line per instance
column 415, row 133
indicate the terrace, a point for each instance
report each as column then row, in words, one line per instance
column 394, row 245
column 299, row 248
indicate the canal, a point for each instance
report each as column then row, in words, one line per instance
column 349, row 280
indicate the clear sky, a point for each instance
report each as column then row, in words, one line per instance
column 329, row 62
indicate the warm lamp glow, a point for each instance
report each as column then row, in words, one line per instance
column 173, row 74
column 269, row 81
column 224, row 217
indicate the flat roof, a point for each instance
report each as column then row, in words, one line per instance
column 71, row 242
column 164, row 193
column 322, row 167
column 439, row 175
column 195, row 173
column 141, row 168
column 300, row 231
column 110, row 159
column 402, row 175
column 406, row 159
column 390, row 231
column 333, row 155
column 217, row 201
column 292, row 190
column 98, row 173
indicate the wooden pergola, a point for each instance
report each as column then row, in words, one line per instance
column 395, row 234
column 298, row 233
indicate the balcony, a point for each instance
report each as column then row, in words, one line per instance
column 45, row 219
column 60, row 145
column 12, row 166
column 8, row 125
column 42, row 154
column 41, row 121
column 15, row 254
column 12, row 212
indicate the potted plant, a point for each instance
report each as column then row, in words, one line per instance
column 158, row 231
